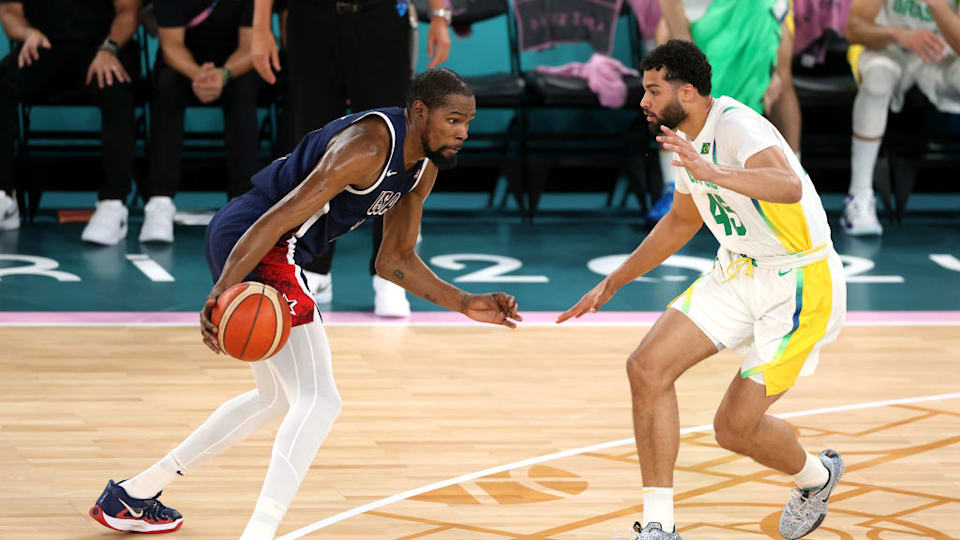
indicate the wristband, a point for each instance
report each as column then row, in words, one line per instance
column 226, row 74
column 110, row 46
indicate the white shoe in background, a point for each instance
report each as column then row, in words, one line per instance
column 9, row 212
column 390, row 299
column 321, row 286
column 108, row 225
column 158, row 220
column 859, row 216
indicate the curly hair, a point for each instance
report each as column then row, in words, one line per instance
column 434, row 85
column 683, row 61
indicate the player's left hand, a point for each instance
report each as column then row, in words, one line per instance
column 438, row 42
column 494, row 308
column 106, row 68
column 687, row 156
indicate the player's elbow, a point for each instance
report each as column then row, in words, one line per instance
column 795, row 191
column 389, row 264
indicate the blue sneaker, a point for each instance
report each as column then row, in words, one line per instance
column 121, row 512
column 662, row 206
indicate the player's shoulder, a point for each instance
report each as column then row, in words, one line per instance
column 735, row 118
column 369, row 135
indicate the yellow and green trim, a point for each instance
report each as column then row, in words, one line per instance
column 813, row 306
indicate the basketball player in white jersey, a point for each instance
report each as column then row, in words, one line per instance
column 776, row 292
column 908, row 42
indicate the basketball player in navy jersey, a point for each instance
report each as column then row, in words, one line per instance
column 377, row 162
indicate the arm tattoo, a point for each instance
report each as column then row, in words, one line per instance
column 463, row 302
column 433, row 299
column 398, row 273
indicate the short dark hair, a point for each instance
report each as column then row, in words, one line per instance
column 683, row 61
column 434, row 85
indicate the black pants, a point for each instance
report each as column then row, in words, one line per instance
column 63, row 68
column 172, row 94
column 363, row 57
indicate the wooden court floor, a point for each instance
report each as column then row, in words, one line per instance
column 423, row 404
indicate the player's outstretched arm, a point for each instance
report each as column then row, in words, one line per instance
column 398, row 262
column 355, row 156
column 767, row 175
column 669, row 235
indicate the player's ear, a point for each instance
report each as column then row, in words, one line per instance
column 419, row 110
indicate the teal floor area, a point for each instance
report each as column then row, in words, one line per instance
column 548, row 264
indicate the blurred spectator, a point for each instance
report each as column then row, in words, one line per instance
column 352, row 53
column 205, row 59
column 73, row 46
column 907, row 42
column 749, row 45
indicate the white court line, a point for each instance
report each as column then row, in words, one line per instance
column 303, row 531
column 401, row 322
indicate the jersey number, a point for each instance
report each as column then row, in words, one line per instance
column 724, row 215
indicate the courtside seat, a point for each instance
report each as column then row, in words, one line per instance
column 558, row 91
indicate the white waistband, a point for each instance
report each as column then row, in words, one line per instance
column 793, row 260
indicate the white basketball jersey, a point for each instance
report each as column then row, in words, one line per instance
column 913, row 14
column 757, row 229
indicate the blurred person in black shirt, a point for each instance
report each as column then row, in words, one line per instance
column 205, row 58
column 85, row 47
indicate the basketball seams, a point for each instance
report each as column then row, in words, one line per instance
column 228, row 313
column 253, row 340
column 278, row 317
column 253, row 325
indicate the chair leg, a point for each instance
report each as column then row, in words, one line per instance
column 905, row 175
column 537, row 173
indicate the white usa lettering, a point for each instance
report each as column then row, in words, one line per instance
column 384, row 202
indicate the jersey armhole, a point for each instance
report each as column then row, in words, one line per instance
column 393, row 147
column 423, row 169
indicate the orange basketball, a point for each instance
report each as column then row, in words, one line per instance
column 253, row 321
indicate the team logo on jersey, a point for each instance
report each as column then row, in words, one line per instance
column 705, row 149
column 384, row 202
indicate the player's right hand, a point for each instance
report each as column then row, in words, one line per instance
column 30, row 51
column 264, row 54
column 591, row 302
column 207, row 329
column 929, row 46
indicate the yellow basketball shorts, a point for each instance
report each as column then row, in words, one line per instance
column 779, row 318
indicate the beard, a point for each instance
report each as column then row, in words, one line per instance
column 442, row 162
column 671, row 117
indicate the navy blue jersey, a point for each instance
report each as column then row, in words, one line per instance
column 346, row 211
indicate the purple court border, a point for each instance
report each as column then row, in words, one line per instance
column 181, row 318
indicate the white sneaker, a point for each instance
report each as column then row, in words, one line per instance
column 321, row 285
column 390, row 299
column 108, row 225
column 9, row 212
column 859, row 216
column 158, row 220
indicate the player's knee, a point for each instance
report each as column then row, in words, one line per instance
column 880, row 80
column 645, row 373
column 273, row 402
column 731, row 434
column 324, row 406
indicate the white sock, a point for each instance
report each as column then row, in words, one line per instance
column 146, row 484
column 658, row 507
column 813, row 475
column 863, row 158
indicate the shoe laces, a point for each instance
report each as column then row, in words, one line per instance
column 155, row 511
column 799, row 504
